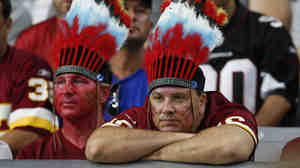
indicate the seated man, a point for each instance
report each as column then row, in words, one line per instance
column 25, row 110
column 179, row 122
column 82, row 77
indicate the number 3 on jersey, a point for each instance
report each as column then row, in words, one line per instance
column 40, row 92
column 237, row 81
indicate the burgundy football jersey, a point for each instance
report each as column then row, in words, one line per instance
column 52, row 147
column 24, row 92
column 219, row 111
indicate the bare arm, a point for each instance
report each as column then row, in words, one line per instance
column 272, row 111
column 119, row 145
column 17, row 139
column 277, row 8
column 217, row 145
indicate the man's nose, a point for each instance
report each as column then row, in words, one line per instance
column 131, row 14
column 168, row 107
column 68, row 88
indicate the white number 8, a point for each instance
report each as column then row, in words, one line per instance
column 40, row 93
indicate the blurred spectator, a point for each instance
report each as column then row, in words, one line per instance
column 21, row 19
column 295, row 24
column 24, row 106
column 27, row 13
column 287, row 11
column 256, row 65
column 81, row 86
column 39, row 38
column 129, row 79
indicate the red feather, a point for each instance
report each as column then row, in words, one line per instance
column 164, row 5
column 93, row 37
column 190, row 48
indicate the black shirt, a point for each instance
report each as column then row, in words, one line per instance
column 256, row 60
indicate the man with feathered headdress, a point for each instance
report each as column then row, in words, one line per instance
column 91, row 33
column 179, row 122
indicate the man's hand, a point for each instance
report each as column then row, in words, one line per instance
column 18, row 139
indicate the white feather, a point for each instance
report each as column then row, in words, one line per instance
column 181, row 13
column 90, row 13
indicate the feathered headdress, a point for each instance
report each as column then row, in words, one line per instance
column 186, row 32
column 89, row 36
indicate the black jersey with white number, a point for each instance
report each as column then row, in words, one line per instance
column 257, row 59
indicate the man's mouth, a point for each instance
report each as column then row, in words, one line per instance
column 67, row 103
column 168, row 121
column 133, row 29
column 68, row 1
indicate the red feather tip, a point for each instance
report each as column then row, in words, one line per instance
column 119, row 11
column 95, row 38
column 215, row 13
column 191, row 49
column 164, row 5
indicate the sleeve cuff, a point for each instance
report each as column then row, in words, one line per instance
column 37, row 118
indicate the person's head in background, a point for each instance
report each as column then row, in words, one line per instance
column 5, row 24
column 141, row 24
column 62, row 6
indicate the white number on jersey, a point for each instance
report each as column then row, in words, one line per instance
column 40, row 93
column 237, row 81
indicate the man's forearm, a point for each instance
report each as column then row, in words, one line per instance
column 272, row 111
column 118, row 145
column 218, row 145
column 18, row 139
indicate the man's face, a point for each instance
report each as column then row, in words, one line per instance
column 172, row 109
column 62, row 6
column 75, row 96
column 141, row 23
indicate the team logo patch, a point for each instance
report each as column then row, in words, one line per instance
column 44, row 73
column 194, row 84
column 100, row 77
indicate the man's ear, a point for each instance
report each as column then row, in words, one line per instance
column 199, row 104
column 103, row 92
column 203, row 98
